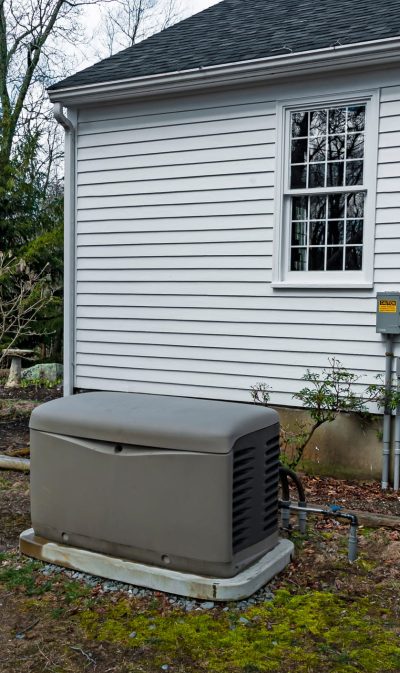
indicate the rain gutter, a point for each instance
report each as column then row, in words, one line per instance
column 335, row 57
column 68, row 123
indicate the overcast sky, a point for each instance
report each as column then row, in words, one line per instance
column 92, row 15
column 197, row 5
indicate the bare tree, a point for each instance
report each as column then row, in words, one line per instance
column 33, row 35
column 23, row 295
column 125, row 22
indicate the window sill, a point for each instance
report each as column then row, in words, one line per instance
column 322, row 285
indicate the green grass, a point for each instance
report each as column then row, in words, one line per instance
column 24, row 577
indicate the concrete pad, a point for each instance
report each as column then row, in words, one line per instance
column 235, row 588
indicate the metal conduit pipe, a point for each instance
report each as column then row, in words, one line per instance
column 352, row 546
column 285, row 513
column 396, row 475
column 284, row 473
column 387, row 415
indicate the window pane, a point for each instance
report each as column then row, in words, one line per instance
column 327, row 154
column 317, row 233
column 336, row 145
column 317, row 149
column 355, row 205
column 334, row 259
column 335, row 174
column 356, row 118
column 354, row 172
column 299, row 207
column 298, row 177
column 354, row 231
column 299, row 124
column 337, row 120
column 335, row 233
column 299, row 151
column 317, row 207
column 336, row 204
column 316, row 175
column 298, row 259
column 316, row 258
column 353, row 258
column 318, row 123
column 355, row 146
column 299, row 233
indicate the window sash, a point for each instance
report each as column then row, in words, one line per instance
column 289, row 193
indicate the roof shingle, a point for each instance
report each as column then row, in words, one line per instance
column 240, row 30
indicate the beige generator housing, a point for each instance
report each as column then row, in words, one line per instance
column 168, row 481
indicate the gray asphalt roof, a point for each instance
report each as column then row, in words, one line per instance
column 238, row 30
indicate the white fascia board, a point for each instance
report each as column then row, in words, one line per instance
column 338, row 57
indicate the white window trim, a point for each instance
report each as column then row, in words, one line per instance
column 282, row 277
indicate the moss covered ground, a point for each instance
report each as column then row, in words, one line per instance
column 327, row 616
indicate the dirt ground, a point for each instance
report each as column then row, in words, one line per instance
column 328, row 615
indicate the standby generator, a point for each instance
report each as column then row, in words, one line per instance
column 175, row 482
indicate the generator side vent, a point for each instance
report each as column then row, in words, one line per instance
column 242, row 496
column 271, row 482
column 254, row 489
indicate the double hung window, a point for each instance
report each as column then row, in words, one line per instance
column 326, row 192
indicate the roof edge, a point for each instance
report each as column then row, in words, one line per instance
column 361, row 54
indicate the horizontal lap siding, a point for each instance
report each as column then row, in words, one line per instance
column 175, row 217
column 387, row 244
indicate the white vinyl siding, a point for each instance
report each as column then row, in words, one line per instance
column 174, row 252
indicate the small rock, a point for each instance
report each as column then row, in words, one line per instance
column 242, row 605
column 133, row 634
column 165, row 667
column 243, row 620
column 152, row 627
column 208, row 605
column 49, row 371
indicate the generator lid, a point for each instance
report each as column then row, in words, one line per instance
column 160, row 421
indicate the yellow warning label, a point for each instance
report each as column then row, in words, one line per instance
column 387, row 306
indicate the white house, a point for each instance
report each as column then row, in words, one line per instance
column 233, row 199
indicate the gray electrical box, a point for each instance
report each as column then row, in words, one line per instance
column 388, row 313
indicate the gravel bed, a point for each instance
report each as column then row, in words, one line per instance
column 187, row 604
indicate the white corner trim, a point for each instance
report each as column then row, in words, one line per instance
column 353, row 56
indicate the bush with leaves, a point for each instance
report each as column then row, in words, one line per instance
column 31, row 225
column 326, row 395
